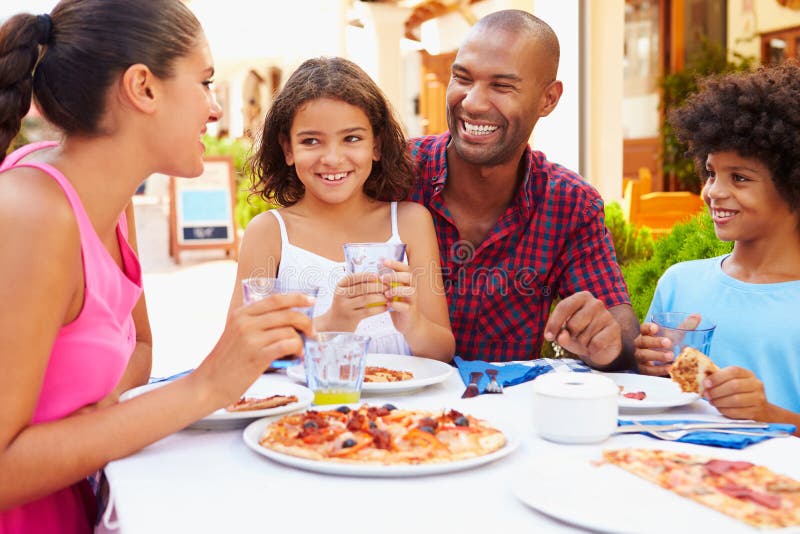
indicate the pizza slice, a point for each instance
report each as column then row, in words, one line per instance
column 690, row 368
column 382, row 374
column 750, row 493
column 261, row 403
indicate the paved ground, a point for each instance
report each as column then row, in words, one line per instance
column 187, row 304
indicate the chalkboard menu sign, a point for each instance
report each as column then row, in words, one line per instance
column 201, row 210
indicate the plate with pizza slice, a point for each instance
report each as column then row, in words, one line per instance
column 648, row 394
column 379, row 441
column 661, row 491
column 392, row 373
column 267, row 396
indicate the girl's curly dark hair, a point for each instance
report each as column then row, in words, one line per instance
column 755, row 114
column 336, row 78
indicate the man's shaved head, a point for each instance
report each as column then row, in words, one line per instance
column 527, row 26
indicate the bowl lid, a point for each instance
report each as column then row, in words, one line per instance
column 575, row 385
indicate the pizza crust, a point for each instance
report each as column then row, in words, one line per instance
column 690, row 368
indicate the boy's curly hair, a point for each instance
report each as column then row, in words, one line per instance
column 392, row 177
column 755, row 114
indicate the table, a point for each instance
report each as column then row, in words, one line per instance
column 209, row 481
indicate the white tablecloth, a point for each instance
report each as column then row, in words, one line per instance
column 209, row 481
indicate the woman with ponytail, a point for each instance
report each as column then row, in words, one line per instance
column 127, row 84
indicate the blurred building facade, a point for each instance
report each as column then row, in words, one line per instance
column 614, row 52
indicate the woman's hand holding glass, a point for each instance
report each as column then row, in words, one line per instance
column 254, row 336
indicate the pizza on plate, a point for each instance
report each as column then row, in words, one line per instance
column 750, row 493
column 382, row 435
column 261, row 403
column 690, row 368
column 374, row 373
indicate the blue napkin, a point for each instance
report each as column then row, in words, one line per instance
column 719, row 439
column 514, row 373
column 170, row 378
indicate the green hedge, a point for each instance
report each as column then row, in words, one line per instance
column 247, row 204
column 692, row 240
column 630, row 243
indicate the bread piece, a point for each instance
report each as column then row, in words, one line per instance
column 690, row 368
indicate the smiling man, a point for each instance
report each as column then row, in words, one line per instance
column 515, row 230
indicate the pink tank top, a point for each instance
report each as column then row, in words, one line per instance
column 88, row 358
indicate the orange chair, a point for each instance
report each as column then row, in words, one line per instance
column 659, row 211
column 645, row 181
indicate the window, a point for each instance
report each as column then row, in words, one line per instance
column 779, row 45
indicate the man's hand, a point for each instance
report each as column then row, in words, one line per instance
column 583, row 325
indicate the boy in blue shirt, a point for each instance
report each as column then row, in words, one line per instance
column 743, row 130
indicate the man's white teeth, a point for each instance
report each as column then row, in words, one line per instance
column 475, row 129
column 334, row 177
column 723, row 214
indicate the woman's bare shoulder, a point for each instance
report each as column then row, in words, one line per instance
column 32, row 202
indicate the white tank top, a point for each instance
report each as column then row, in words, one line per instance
column 301, row 265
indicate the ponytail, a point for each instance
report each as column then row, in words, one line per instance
column 20, row 38
column 70, row 61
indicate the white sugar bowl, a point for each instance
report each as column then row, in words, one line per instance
column 575, row 407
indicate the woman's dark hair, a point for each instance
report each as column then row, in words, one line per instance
column 339, row 79
column 69, row 59
column 755, row 114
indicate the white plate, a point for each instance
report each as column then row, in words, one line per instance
column 567, row 486
column 426, row 372
column 254, row 430
column 662, row 393
column 263, row 387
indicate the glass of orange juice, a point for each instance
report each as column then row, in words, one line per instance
column 369, row 257
column 335, row 364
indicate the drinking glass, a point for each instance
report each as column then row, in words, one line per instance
column 335, row 363
column 369, row 257
column 684, row 330
column 259, row 287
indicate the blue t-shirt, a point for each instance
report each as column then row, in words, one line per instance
column 757, row 324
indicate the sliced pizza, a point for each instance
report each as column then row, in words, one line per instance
column 261, row 403
column 750, row 493
column 690, row 368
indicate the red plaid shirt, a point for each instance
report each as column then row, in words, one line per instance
column 551, row 240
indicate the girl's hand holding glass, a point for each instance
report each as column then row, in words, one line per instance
column 356, row 297
column 401, row 294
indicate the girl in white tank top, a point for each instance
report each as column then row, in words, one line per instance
column 335, row 158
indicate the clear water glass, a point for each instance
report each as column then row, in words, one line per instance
column 684, row 330
column 335, row 363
